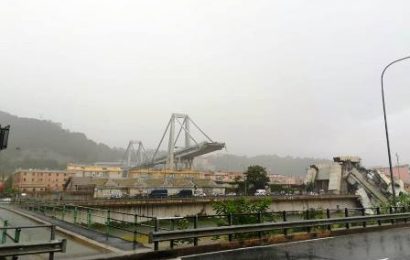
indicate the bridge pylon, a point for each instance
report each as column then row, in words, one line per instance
column 183, row 155
column 133, row 156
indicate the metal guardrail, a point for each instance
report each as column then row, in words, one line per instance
column 33, row 248
column 160, row 236
column 16, row 248
column 112, row 223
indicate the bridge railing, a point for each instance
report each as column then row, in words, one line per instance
column 137, row 228
column 11, row 244
column 131, row 227
column 248, row 231
column 176, row 224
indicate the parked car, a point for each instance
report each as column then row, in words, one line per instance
column 116, row 196
column 185, row 193
column 231, row 194
column 5, row 200
column 199, row 194
column 158, row 194
column 260, row 192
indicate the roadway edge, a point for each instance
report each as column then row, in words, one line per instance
column 104, row 247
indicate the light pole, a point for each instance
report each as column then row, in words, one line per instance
column 398, row 166
column 385, row 125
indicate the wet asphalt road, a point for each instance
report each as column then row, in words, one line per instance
column 74, row 248
column 88, row 233
column 393, row 244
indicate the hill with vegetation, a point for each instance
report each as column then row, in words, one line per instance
column 35, row 143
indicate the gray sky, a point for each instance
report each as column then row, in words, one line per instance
column 296, row 78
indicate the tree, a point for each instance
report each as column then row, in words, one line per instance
column 243, row 211
column 256, row 178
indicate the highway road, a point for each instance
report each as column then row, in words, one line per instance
column 390, row 244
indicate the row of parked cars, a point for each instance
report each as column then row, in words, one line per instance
column 160, row 193
column 163, row 193
column 181, row 194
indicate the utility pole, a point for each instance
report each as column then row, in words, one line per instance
column 385, row 125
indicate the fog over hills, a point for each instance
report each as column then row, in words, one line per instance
column 35, row 143
column 290, row 166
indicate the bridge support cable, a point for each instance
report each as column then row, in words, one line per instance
column 160, row 142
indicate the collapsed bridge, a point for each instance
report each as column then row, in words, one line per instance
column 345, row 175
column 179, row 153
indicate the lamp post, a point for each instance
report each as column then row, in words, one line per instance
column 385, row 125
column 398, row 166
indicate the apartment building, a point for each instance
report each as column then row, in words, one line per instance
column 36, row 180
column 400, row 172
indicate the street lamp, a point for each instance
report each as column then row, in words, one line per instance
column 385, row 126
column 398, row 166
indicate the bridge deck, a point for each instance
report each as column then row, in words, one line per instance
column 189, row 153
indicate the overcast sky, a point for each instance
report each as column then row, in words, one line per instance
column 299, row 78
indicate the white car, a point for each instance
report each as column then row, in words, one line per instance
column 199, row 194
column 260, row 193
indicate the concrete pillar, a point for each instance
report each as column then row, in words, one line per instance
column 171, row 146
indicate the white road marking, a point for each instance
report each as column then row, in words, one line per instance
column 302, row 241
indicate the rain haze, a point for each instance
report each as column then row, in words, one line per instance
column 299, row 78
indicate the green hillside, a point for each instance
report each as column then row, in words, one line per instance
column 37, row 143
